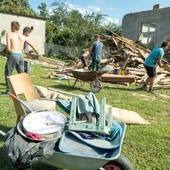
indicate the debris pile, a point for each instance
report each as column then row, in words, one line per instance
column 122, row 57
column 125, row 57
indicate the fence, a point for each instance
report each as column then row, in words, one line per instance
column 64, row 51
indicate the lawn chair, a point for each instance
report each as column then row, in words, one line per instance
column 22, row 87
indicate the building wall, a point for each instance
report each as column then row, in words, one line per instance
column 38, row 34
column 131, row 24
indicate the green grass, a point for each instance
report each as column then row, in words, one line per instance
column 146, row 146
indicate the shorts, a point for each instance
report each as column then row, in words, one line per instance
column 151, row 71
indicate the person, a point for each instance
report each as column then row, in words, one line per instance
column 86, row 55
column 96, row 50
column 26, row 32
column 150, row 63
column 15, row 42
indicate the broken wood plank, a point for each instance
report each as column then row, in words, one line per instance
column 139, row 73
column 132, row 43
column 113, row 78
column 166, row 67
column 159, row 77
column 162, row 86
column 104, row 61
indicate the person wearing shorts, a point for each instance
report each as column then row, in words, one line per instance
column 15, row 42
column 150, row 63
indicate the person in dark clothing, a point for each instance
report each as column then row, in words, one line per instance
column 96, row 50
column 84, row 57
column 26, row 32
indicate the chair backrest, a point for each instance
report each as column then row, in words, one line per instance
column 21, row 84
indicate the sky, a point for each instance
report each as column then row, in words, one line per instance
column 115, row 10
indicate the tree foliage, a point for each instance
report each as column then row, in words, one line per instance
column 17, row 6
column 64, row 26
column 43, row 10
column 69, row 27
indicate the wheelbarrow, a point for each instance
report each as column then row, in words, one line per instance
column 88, row 76
column 72, row 161
column 80, row 162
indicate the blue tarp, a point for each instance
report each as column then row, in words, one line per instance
column 85, row 104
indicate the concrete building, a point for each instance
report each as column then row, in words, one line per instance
column 36, row 23
column 149, row 27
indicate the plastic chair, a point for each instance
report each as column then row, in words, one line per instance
column 22, row 87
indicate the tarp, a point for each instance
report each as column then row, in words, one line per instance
column 73, row 143
column 85, row 104
column 23, row 153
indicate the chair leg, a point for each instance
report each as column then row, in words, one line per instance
column 18, row 119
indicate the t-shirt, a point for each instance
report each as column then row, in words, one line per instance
column 97, row 50
column 153, row 57
column 26, row 48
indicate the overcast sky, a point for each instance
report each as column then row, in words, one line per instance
column 114, row 9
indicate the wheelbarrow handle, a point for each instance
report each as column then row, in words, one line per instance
column 16, row 98
column 13, row 96
column 2, row 133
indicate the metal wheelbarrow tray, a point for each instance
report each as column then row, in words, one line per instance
column 80, row 162
column 88, row 76
column 77, row 162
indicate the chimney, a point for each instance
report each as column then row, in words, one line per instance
column 157, row 6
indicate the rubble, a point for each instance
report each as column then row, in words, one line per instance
column 123, row 57
column 126, row 55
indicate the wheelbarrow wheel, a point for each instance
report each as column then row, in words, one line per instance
column 95, row 86
column 121, row 163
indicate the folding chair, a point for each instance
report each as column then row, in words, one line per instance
column 22, row 87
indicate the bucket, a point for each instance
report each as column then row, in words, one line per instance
column 49, row 124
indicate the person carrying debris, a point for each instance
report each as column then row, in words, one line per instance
column 85, row 56
column 150, row 63
column 15, row 42
column 96, row 50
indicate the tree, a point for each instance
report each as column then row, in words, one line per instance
column 68, row 27
column 17, row 6
column 43, row 11
column 113, row 28
column 74, row 29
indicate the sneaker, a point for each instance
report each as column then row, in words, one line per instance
column 151, row 91
column 144, row 87
column 7, row 92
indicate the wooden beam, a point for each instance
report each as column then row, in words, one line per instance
column 113, row 78
column 159, row 77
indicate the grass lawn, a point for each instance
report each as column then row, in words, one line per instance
column 146, row 146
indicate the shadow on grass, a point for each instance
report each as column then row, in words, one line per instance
column 4, row 163
column 2, row 84
column 69, row 88
column 123, row 88
column 4, row 129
